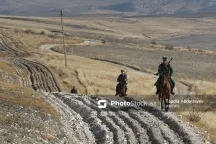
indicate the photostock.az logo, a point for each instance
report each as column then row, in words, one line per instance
column 102, row 104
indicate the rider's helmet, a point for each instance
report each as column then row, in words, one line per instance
column 165, row 58
column 122, row 70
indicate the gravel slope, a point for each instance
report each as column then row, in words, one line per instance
column 84, row 122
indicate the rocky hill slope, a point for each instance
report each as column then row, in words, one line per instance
column 173, row 6
column 52, row 7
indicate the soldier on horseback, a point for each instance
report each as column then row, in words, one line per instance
column 122, row 80
column 165, row 69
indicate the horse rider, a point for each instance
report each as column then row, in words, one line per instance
column 74, row 90
column 122, row 79
column 165, row 69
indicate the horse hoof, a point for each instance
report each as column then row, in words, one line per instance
column 166, row 109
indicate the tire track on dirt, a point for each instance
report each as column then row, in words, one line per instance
column 151, row 127
column 33, row 74
column 101, row 132
column 40, row 77
column 185, row 132
column 129, row 125
column 5, row 46
column 49, row 80
column 73, row 123
column 118, row 133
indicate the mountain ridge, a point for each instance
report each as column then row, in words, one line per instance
column 147, row 7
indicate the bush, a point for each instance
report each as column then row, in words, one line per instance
column 189, row 48
column 42, row 32
column 16, row 30
column 28, row 31
column 103, row 41
column 52, row 36
column 169, row 47
column 194, row 117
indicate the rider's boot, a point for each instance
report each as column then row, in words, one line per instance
column 125, row 91
column 117, row 90
column 172, row 92
column 158, row 91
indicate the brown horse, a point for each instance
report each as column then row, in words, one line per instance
column 164, row 95
column 122, row 89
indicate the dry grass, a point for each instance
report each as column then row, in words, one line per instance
column 206, row 123
column 18, row 95
column 97, row 77
column 207, row 119
column 145, row 28
column 32, row 40
column 7, row 68
column 201, row 87
column 15, row 94
column 154, row 46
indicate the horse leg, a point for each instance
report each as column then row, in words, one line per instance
column 120, row 90
column 161, row 101
column 124, row 90
column 167, row 102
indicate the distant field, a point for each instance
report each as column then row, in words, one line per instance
column 188, row 32
column 186, row 64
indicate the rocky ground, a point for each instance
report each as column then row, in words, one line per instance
column 86, row 123
column 23, row 117
column 23, row 125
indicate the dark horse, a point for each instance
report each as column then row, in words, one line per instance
column 122, row 89
column 164, row 95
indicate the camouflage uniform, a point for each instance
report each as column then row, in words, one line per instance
column 165, row 69
column 122, row 79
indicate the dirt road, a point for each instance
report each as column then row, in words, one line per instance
column 32, row 74
column 85, row 123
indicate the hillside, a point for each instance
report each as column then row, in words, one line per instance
column 76, row 7
column 52, row 7
column 173, row 6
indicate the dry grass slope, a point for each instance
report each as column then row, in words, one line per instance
column 13, row 93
